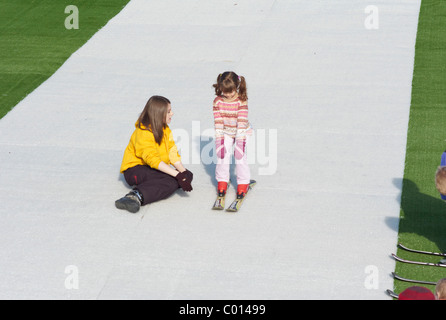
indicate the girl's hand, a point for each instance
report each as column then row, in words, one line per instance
column 240, row 146
column 184, row 180
column 220, row 148
column 189, row 175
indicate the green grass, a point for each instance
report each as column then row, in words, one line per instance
column 423, row 213
column 34, row 42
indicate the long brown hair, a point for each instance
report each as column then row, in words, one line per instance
column 228, row 82
column 153, row 117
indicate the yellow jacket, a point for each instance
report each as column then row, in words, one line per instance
column 143, row 149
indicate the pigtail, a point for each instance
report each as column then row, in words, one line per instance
column 217, row 86
column 242, row 89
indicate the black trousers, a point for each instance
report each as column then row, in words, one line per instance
column 153, row 184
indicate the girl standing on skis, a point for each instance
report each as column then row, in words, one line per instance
column 232, row 129
column 149, row 157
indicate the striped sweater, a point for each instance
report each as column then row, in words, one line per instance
column 230, row 118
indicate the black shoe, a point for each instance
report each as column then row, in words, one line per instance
column 130, row 202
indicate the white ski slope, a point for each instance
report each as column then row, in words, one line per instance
column 329, row 99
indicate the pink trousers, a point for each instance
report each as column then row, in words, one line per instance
column 241, row 165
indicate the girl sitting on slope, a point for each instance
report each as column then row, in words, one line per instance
column 148, row 158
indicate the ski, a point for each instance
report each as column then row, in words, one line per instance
column 418, row 262
column 237, row 203
column 422, row 252
column 397, row 277
column 392, row 294
column 219, row 203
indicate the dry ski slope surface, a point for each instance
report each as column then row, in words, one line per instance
column 329, row 99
